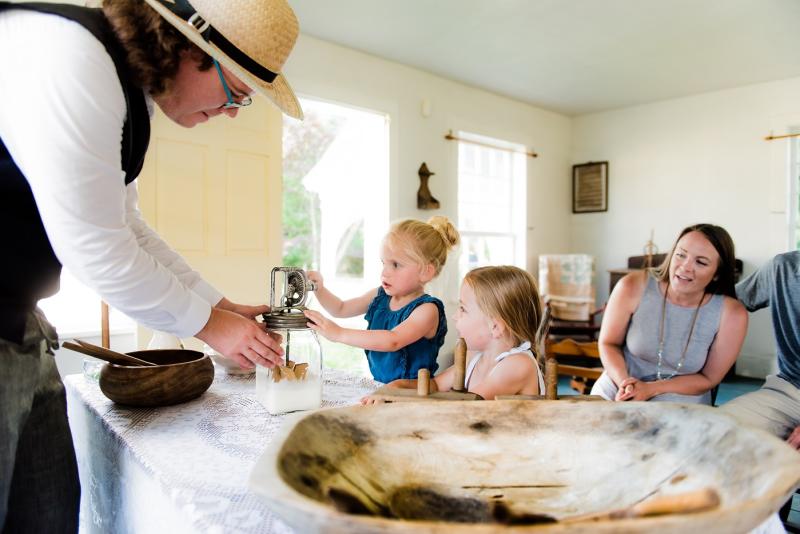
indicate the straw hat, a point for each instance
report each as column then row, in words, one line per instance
column 251, row 38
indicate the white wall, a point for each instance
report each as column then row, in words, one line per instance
column 70, row 362
column 323, row 70
column 326, row 71
column 696, row 159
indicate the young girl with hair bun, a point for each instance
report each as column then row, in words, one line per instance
column 499, row 311
column 406, row 326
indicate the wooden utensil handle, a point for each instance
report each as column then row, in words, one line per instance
column 114, row 354
column 689, row 502
column 89, row 352
column 681, row 503
column 104, row 354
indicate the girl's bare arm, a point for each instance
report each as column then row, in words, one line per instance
column 415, row 327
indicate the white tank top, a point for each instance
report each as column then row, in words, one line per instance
column 524, row 348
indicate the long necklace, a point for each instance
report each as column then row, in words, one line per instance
column 660, row 352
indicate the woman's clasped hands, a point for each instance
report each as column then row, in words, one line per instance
column 634, row 389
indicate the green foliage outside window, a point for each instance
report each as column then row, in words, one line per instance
column 344, row 357
column 304, row 144
column 350, row 252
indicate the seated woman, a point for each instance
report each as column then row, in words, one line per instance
column 671, row 334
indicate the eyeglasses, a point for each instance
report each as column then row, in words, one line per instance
column 246, row 100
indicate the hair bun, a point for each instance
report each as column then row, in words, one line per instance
column 446, row 229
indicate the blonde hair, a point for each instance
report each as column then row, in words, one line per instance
column 424, row 242
column 508, row 294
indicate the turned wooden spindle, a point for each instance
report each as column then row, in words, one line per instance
column 550, row 378
column 459, row 365
column 423, row 382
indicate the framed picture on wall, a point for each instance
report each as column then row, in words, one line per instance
column 590, row 187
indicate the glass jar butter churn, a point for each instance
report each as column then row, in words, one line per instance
column 297, row 385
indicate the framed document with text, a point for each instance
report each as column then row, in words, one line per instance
column 590, row 187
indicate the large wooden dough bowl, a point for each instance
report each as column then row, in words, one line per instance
column 452, row 461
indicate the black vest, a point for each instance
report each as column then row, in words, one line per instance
column 29, row 269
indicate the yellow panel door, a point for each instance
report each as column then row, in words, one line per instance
column 213, row 192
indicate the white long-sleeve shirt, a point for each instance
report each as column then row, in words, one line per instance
column 61, row 115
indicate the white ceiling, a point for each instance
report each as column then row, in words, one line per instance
column 573, row 56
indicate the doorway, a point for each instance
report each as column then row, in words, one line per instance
column 336, row 204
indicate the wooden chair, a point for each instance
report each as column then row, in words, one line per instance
column 578, row 330
column 548, row 366
column 547, row 352
column 567, row 284
column 580, row 360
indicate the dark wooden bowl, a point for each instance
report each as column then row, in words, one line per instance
column 180, row 375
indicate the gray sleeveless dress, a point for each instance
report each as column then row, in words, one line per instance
column 641, row 343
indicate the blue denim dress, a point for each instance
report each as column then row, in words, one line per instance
column 404, row 363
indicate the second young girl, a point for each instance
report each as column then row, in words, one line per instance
column 406, row 326
column 498, row 315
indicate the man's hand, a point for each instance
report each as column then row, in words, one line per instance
column 251, row 312
column 243, row 340
column 794, row 438
column 319, row 323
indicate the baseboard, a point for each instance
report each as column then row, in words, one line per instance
column 756, row 366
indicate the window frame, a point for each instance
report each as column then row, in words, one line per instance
column 516, row 201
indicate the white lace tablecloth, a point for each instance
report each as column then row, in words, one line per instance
column 181, row 468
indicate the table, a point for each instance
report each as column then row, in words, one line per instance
column 181, row 468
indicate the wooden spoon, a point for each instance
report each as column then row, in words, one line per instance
column 681, row 503
column 104, row 354
column 113, row 353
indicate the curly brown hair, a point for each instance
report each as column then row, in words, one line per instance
column 152, row 44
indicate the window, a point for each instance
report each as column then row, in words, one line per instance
column 336, row 205
column 491, row 203
column 75, row 311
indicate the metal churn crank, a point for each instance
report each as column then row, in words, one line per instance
column 298, row 384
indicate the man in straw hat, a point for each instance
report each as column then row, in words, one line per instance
column 77, row 87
